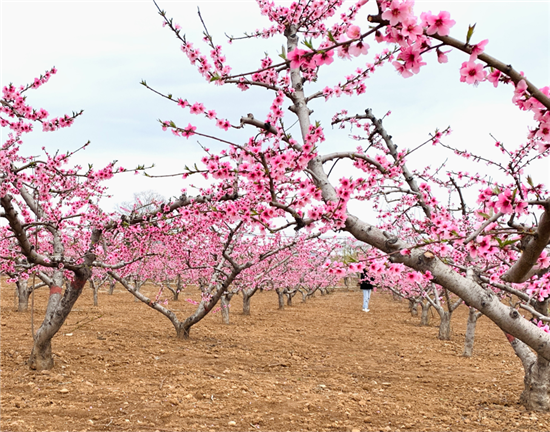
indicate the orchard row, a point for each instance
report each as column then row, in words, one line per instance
column 431, row 230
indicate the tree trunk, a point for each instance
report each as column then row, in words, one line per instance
column 137, row 287
column 536, row 394
column 289, row 295
column 57, row 311
column 182, row 332
column 225, row 300
column 536, row 391
column 179, row 288
column 281, row 295
column 112, row 284
column 413, row 307
column 445, row 325
column 184, row 328
column 424, row 317
column 22, row 293
column 246, row 303
column 473, row 316
column 304, row 295
column 95, row 289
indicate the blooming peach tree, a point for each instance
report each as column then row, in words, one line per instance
column 55, row 226
column 425, row 217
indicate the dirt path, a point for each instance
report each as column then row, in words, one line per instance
column 322, row 365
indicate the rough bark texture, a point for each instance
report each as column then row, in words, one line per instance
column 57, row 311
column 536, row 394
column 445, row 325
column 473, row 316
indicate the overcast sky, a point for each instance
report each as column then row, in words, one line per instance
column 103, row 49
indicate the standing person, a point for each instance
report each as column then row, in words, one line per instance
column 366, row 287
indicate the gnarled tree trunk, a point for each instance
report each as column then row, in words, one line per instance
column 536, row 394
column 536, row 391
column 57, row 311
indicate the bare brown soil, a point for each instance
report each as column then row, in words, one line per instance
column 320, row 365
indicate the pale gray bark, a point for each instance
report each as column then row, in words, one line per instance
column 226, row 304
column 444, row 315
column 95, row 289
column 248, row 293
column 413, row 307
column 176, row 289
column 281, row 297
column 246, row 303
column 138, row 284
column 473, row 316
column 112, row 284
column 445, row 325
column 22, row 293
column 424, row 316
column 290, row 293
column 524, row 267
column 508, row 319
column 536, row 391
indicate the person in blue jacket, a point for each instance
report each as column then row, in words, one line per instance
column 366, row 287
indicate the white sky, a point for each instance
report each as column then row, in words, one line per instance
column 102, row 49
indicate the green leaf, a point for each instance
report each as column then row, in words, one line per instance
column 509, row 242
column 470, row 33
column 331, row 37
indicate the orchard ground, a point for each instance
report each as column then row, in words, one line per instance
column 320, row 365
